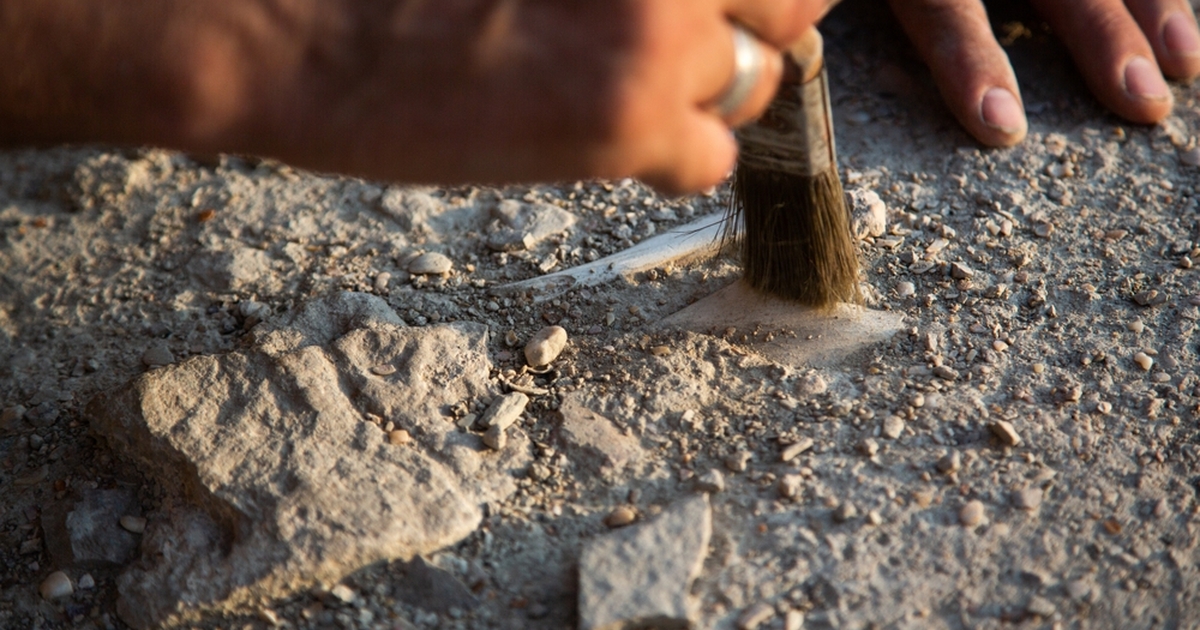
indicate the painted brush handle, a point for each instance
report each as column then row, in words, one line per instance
column 795, row 134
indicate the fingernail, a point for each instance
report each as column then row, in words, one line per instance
column 1143, row 80
column 1180, row 36
column 1001, row 110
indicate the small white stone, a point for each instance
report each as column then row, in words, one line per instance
column 869, row 212
column 959, row 271
column 430, row 263
column 893, row 426
column 56, row 585
column 381, row 282
column 545, row 346
column 86, row 581
column 949, row 463
column 999, row 345
column 343, row 593
column 971, row 514
column 1190, row 157
column 135, row 524
column 905, row 289
column 505, row 410
column 793, row 620
column 1143, row 361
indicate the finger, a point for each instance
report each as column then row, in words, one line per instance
column 777, row 22
column 1114, row 56
column 1170, row 25
column 971, row 70
column 701, row 154
column 766, row 82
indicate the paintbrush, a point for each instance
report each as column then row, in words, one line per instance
column 795, row 240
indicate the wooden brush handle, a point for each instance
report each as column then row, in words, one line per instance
column 795, row 134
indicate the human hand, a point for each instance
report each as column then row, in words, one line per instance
column 1122, row 48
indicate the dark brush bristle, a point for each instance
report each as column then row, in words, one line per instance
column 796, row 240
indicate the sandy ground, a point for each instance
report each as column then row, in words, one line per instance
column 1051, row 286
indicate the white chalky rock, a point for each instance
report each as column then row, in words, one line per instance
column 869, row 212
column 545, row 346
column 430, row 263
column 641, row 575
column 56, row 585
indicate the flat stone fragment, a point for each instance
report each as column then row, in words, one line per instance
column 1028, row 499
column 711, row 482
column 504, row 410
column 1040, row 606
column 545, row 346
column 592, row 441
column 158, row 355
column 276, row 482
column 430, row 263
column 641, row 576
column 786, row 332
column 869, row 213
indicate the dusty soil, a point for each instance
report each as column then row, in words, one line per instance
column 1051, row 286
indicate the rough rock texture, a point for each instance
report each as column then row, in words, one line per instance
column 594, row 442
column 431, row 588
column 86, row 533
column 284, row 482
column 640, row 576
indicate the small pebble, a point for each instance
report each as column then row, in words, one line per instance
column 430, row 263
column 381, row 282
column 789, row 486
column 917, row 400
column 945, row 373
column 959, row 271
column 1005, row 431
column 999, row 346
column 1078, row 589
column 1040, row 606
column 1143, row 361
column 545, row 346
column 495, row 438
column 711, row 482
column 399, row 437
column 791, row 451
column 906, row 289
column 385, row 369
column 874, row 517
column 949, row 463
column 56, row 585
column 343, row 593
column 505, row 410
column 1038, row 368
column 86, row 582
column 158, row 355
column 754, row 616
column 845, row 512
column 893, row 426
column 135, row 524
column 1191, row 157
column 1028, row 499
column 1104, row 407
column 620, row 517
column 971, row 514
column 1136, row 326
column 737, row 461
column 868, row 447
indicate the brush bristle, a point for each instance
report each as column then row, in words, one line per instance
column 796, row 240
